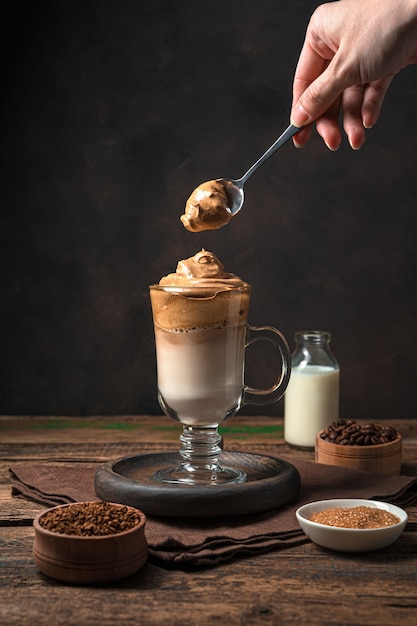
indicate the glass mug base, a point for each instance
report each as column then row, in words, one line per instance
column 189, row 474
column 200, row 450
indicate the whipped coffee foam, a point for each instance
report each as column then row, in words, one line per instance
column 208, row 206
column 205, row 300
column 202, row 269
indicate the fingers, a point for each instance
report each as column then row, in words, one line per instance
column 373, row 98
column 319, row 102
column 310, row 66
column 326, row 123
column 302, row 137
column 361, row 106
column 352, row 100
column 308, row 99
column 318, row 97
column 328, row 126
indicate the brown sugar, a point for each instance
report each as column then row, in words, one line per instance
column 88, row 519
column 355, row 517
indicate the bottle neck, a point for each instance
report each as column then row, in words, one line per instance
column 312, row 348
column 314, row 338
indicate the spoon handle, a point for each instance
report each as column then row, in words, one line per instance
column 287, row 134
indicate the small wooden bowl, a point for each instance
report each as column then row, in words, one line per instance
column 384, row 458
column 90, row 560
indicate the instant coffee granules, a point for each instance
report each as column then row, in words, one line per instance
column 90, row 519
column 355, row 517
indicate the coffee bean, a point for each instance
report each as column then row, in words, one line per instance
column 348, row 432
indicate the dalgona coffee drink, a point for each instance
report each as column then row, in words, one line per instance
column 200, row 317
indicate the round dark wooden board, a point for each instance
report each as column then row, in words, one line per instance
column 271, row 483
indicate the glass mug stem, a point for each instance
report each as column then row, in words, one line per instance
column 200, row 450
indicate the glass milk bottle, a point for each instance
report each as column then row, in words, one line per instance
column 312, row 396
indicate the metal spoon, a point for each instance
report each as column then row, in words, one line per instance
column 235, row 190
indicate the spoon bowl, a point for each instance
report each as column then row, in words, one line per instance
column 235, row 194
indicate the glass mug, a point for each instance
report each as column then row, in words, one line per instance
column 201, row 335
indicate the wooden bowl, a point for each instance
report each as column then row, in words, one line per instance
column 384, row 458
column 90, row 559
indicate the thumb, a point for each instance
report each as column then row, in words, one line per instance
column 317, row 98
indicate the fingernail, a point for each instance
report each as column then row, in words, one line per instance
column 356, row 146
column 366, row 124
column 332, row 148
column 299, row 116
column 296, row 144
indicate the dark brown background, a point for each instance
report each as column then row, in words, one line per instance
column 112, row 112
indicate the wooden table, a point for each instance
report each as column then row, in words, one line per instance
column 303, row 584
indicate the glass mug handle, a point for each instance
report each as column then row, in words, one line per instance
column 262, row 397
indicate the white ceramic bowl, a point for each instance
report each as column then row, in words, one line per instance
column 350, row 539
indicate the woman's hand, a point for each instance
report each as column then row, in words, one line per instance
column 351, row 53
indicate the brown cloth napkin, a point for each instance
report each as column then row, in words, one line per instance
column 202, row 542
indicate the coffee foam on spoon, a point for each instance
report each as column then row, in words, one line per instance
column 207, row 208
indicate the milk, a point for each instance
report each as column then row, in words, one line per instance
column 200, row 372
column 311, row 404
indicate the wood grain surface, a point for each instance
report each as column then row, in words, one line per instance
column 304, row 584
